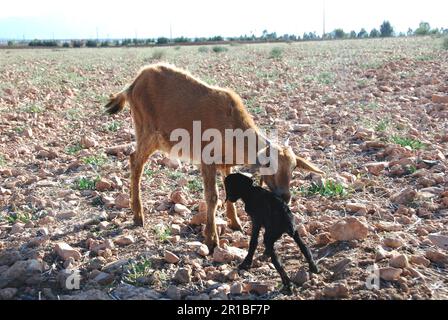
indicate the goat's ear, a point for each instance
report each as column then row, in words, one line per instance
column 262, row 155
column 308, row 166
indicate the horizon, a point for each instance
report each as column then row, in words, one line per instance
column 49, row 19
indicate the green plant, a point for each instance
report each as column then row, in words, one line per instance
column 382, row 125
column 34, row 109
column 328, row 189
column 162, row 232
column 2, row 161
column 149, row 173
column 219, row 49
column 73, row 149
column 137, row 270
column 23, row 217
column 95, row 160
column 84, row 183
column 157, row 54
column 276, row 53
column 113, row 126
column 194, row 185
column 325, row 78
column 408, row 142
column 73, row 114
column 174, row 175
column 445, row 43
column 203, row 49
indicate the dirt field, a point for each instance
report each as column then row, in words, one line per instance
column 373, row 114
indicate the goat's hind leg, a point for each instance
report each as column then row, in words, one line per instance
column 269, row 243
column 306, row 251
column 145, row 147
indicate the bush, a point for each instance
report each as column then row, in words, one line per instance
column 203, row 49
column 374, row 33
column 105, row 44
column 66, row 45
column 181, row 40
column 77, row 43
column 445, row 43
column 386, row 29
column 44, row 43
column 423, row 29
column 219, row 49
column 339, row 33
column 157, row 54
column 216, row 38
column 162, row 40
column 363, row 33
column 91, row 44
column 11, row 43
column 276, row 53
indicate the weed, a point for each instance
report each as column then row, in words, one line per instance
column 408, row 142
column 276, row 53
column 329, row 189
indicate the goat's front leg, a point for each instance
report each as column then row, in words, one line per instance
column 306, row 252
column 211, row 198
column 247, row 263
column 269, row 244
column 137, row 161
column 235, row 223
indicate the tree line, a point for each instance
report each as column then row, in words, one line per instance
column 385, row 30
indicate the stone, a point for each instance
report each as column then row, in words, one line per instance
column 438, row 240
column 228, row 254
column 183, row 276
column 300, row 277
column 257, row 287
column 104, row 278
column 124, row 240
column 180, row 208
column 175, row 229
column 236, row 288
column 23, row 272
column 122, row 201
column 87, row 142
column 439, row 98
column 178, row 197
column 356, row 208
column 92, row 294
column 393, row 242
column 170, row 163
column 126, row 291
column 419, row 260
column 199, row 218
column 203, row 250
column 404, row 197
column 65, row 251
column 103, row 185
column 171, row 257
column 337, row 290
column 17, row 227
column 349, row 229
column 7, row 293
column 390, row 273
column 437, row 256
column 323, row 239
column 399, row 261
column 173, row 292
column 301, row 127
column 9, row 257
column 376, row 168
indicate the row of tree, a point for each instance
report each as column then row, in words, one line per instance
column 385, row 30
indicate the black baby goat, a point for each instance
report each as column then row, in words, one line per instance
column 268, row 211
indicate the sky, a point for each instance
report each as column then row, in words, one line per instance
column 71, row 19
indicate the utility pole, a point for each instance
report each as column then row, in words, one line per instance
column 171, row 33
column 97, row 37
column 323, row 20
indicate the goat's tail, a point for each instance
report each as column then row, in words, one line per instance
column 118, row 101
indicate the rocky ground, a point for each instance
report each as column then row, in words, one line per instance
column 373, row 114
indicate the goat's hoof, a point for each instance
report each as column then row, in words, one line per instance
column 314, row 269
column 286, row 289
column 139, row 222
column 211, row 244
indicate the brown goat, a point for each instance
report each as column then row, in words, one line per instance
column 162, row 99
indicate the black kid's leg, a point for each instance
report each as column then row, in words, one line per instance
column 247, row 263
column 306, row 252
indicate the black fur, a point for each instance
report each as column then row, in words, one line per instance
column 271, row 212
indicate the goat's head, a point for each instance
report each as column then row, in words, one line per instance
column 278, row 182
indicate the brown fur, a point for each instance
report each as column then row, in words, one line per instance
column 163, row 98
